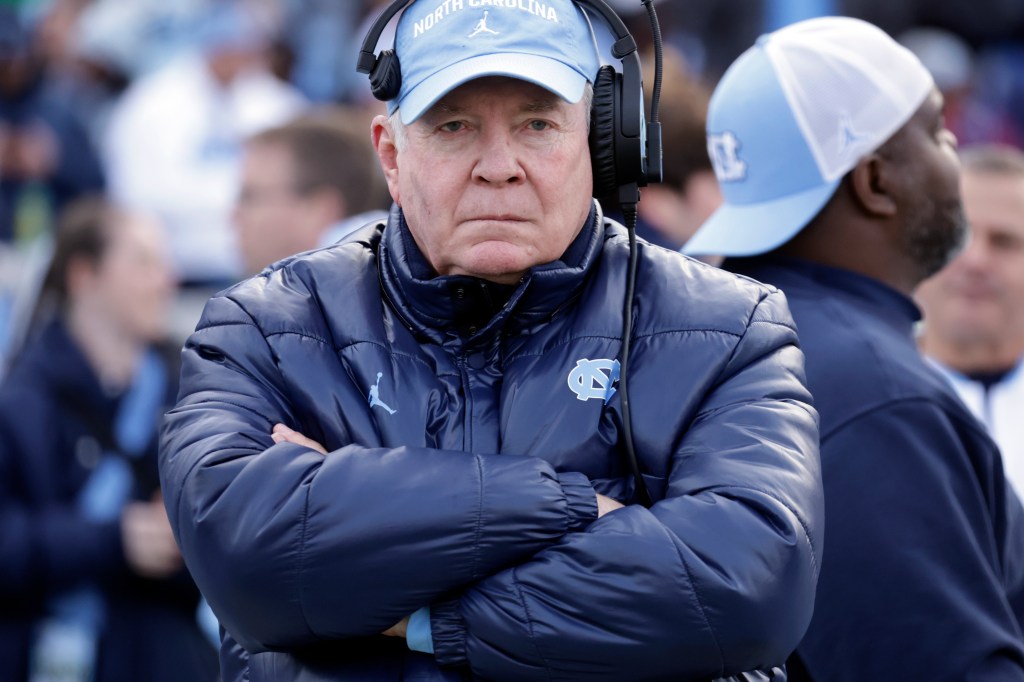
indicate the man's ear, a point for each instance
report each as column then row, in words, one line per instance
column 873, row 185
column 383, row 138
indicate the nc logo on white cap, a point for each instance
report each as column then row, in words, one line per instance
column 724, row 152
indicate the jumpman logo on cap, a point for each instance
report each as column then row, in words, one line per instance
column 481, row 27
column 848, row 137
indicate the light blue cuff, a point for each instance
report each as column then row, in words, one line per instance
column 418, row 634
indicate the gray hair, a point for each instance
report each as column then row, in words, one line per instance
column 400, row 135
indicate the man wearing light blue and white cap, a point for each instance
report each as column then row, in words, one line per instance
column 407, row 457
column 841, row 188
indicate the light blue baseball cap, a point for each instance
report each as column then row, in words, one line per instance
column 442, row 44
column 794, row 114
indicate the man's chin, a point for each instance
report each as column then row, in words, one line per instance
column 976, row 325
column 498, row 262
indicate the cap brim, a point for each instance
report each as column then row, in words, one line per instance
column 549, row 74
column 752, row 229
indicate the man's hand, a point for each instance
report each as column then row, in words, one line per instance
column 606, row 504
column 283, row 434
column 148, row 542
column 398, row 629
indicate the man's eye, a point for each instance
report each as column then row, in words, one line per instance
column 452, row 126
column 1006, row 242
column 538, row 124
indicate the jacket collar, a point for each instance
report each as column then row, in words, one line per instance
column 794, row 274
column 54, row 358
column 433, row 306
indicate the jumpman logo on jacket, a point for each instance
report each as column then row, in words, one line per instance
column 374, row 396
column 481, row 27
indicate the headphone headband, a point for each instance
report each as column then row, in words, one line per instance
column 367, row 53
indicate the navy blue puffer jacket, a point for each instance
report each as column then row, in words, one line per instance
column 462, row 463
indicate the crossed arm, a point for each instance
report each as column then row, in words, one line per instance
column 523, row 579
column 284, row 434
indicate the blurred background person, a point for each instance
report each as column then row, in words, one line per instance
column 80, row 62
column 708, row 33
column 92, row 586
column 141, row 36
column 973, row 327
column 305, row 184
column 320, row 35
column 970, row 113
column 173, row 146
column 46, row 156
column 670, row 212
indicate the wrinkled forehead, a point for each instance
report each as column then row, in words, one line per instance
column 498, row 92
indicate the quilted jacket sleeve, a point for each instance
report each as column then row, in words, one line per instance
column 715, row 579
column 277, row 536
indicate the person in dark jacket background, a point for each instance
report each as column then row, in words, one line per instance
column 401, row 457
column 46, row 156
column 846, row 202
column 91, row 582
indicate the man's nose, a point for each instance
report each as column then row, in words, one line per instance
column 498, row 163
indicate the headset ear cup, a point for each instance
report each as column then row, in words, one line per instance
column 602, row 132
column 386, row 77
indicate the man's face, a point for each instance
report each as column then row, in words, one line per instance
column 935, row 227
column 494, row 179
column 979, row 296
column 274, row 219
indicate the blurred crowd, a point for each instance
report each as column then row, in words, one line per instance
column 152, row 152
column 150, row 103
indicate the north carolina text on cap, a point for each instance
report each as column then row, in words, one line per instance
column 534, row 7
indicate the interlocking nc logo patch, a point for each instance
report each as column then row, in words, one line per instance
column 594, row 379
column 724, row 152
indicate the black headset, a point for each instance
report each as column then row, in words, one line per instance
column 625, row 153
column 622, row 152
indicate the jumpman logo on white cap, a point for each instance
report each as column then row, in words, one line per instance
column 849, row 138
